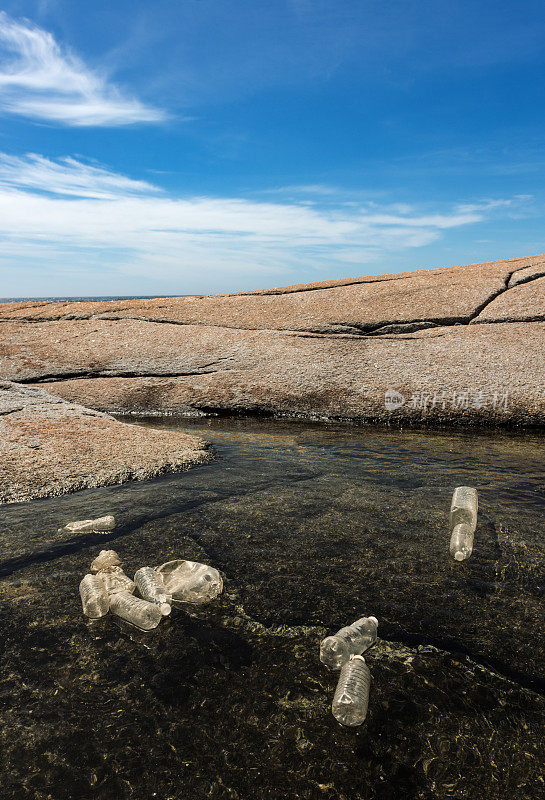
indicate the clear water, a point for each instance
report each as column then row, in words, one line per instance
column 312, row 527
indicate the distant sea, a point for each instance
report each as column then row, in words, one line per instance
column 84, row 299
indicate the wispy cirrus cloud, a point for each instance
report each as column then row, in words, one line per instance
column 42, row 81
column 68, row 176
column 67, row 212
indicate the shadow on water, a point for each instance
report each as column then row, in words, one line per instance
column 83, row 542
column 311, row 526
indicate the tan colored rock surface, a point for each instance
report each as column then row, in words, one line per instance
column 50, row 447
column 535, row 270
column 476, row 373
column 447, row 295
column 261, row 352
column 525, row 301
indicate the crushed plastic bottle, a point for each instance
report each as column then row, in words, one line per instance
column 94, row 597
column 190, row 582
column 99, row 525
column 463, row 521
column 355, row 639
column 115, row 581
column 139, row 612
column 105, row 560
column 151, row 587
column 351, row 698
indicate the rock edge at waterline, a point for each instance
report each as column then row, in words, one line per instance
column 51, row 447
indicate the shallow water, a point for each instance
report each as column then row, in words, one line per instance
column 311, row 526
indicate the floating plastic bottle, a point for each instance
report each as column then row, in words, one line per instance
column 139, row 612
column 463, row 521
column 151, row 587
column 352, row 693
column 105, row 560
column 94, row 597
column 353, row 640
column 191, row 582
column 115, row 581
column 99, row 525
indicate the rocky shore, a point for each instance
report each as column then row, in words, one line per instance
column 455, row 345
column 50, row 447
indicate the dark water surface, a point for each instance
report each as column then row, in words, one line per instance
column 312, row 526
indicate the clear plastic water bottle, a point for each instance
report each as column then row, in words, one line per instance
column 351, row 698
column 353, row 640
column 463, row 521
column 115, row 581
column 151, row 587
column 99, row 525
column 139, row 612
column 94, row 597
column 105, row 560
column 191, row 582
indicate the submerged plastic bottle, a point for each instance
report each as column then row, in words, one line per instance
column 151, row 587
column 353, row 640
column 99, row 525
column 105, row 560
column 94, row 597
column 139, row 612
column 115, row 581
column 191, row 582
column 351, row 698
column 463, row 521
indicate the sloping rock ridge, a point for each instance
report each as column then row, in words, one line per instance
column 449, row 345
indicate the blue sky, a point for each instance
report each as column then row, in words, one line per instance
column 208, row 146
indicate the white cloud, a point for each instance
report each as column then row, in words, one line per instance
column 67, row 212
column 41, row 81
column 67, row 176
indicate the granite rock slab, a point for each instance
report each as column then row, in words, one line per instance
column 450, row 345
column 49, row 447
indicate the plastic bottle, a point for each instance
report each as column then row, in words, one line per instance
column 139, row 612
column 151, row 587
column 191, row 582
column 352, row 693
column 105, row 560
column 94, row 597
column 115, row 581
column 463, row 521
column 99, row 525
column 353, row 640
